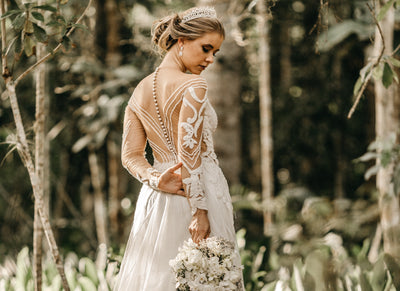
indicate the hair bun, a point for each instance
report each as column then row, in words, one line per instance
column 198, row 21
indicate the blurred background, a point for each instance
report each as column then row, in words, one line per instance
column 317, row 227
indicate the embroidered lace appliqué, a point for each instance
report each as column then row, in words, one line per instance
column 190, row 147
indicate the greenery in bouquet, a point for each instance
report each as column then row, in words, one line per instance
column 213, row 264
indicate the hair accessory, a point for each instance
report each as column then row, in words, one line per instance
column 198, row 12
column 181, row 51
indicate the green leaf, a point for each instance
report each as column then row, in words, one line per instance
column 29, row 44
column 53, row 23
column 39, row 33
column 387, row 77
column 81, row 26
column 395, row 62
column 367, row 157
column 337, row 33
column 384, row 10
column 71, row 278
column 364, row 71
column 37, row 15
column 86, row 284
column 357, row 86
column 18, row 45
column 90, row 270
column 365, row 285
column 11, row 13
column 371, row 171
column 378, row 274
column 46, row 7
column 394, row 269
column 60, row 17
column 66, row 41
column 18, row 22
column 378, row 72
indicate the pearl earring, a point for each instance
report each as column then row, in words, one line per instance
column 181, row 51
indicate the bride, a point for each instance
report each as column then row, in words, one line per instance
column 184, row 192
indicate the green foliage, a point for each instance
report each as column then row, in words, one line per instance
column 31, row 24
column 317, row 244
column 387, row 152
column 326, row 267
column 82, row 274
column 336, row 34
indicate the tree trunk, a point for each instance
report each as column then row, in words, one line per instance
column 39, row 167
column 113, row 192
column 99, row 205
column 387, row 122
column 25, row 154
column 224, row 86
column 113, row 60
column 265, row 115
column 41, row 155
column 26, row 157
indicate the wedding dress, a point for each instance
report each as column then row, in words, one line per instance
column 161, row 220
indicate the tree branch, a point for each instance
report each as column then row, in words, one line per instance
column 56, row 49
column 4, row 70
column 376, row 63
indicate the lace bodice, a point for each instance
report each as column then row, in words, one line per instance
column 189, row 121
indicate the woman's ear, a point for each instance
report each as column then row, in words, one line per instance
column 181, row 41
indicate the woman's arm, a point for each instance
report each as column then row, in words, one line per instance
column 132, row 155
column 190, row 135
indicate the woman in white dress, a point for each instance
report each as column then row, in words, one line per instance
column 184, row 192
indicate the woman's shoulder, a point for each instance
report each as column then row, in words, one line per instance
column 144, row 83
column 140, row 92
column 191, row 80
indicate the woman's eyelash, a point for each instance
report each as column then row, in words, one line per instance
column 207, row 50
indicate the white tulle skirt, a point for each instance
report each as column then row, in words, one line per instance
column 161, row 225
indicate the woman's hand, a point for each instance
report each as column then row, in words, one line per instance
column 171, row 182
column 200, row 226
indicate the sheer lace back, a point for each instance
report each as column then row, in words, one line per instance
column 189, row 122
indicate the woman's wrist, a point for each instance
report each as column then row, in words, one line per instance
column 199, row 212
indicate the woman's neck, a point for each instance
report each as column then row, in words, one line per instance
column 172, row 60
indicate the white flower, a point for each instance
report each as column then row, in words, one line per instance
column 212, row 265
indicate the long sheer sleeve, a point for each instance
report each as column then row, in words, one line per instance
column 133, row 151
column 190, row 137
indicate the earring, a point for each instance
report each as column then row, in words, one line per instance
column 181, row 51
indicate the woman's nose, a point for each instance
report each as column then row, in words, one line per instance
column 210, row 59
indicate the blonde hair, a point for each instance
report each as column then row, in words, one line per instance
column 169, row 29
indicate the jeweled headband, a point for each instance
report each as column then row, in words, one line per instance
column 199, row 12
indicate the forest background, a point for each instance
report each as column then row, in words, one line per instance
column 285, row 80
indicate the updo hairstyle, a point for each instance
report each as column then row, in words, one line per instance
column 169, row 29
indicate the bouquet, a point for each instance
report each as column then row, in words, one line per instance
column 213, row 265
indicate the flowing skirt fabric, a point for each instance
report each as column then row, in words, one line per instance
column 161, row 225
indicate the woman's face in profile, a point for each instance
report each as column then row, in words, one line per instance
column 200, row 52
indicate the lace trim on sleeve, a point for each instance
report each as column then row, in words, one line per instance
column 190, row 148
column 195, row 190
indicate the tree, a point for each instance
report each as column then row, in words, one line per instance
column 387, row 124
column 24, row 27
column 265, row 115
column 41, row 160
